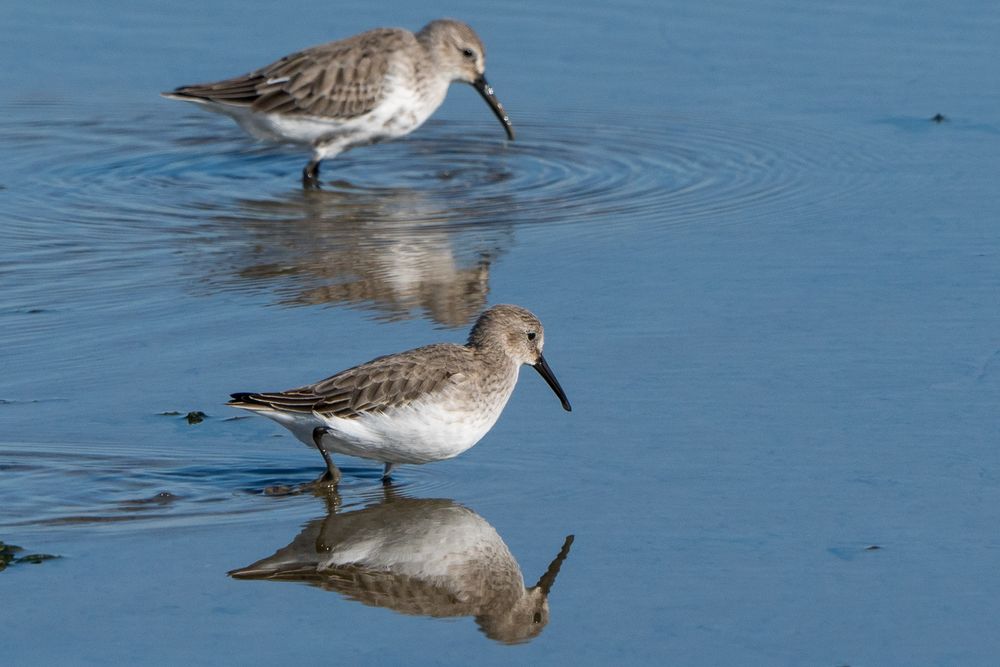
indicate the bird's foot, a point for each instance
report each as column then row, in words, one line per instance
column 328, row 478
column 325, row 483
column 310, row 176
column 282, row 490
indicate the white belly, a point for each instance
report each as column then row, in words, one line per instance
column 418, row 433
column 400, row 112
column 440, row 427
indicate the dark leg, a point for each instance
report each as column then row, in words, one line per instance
column 310, row 175
column 332, row 475
column 327, row 482
column 387, row 472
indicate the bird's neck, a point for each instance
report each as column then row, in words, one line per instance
column 494, row 355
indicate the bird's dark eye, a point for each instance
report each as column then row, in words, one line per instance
column 537, row 618
column 531, row 335
column 469, row 53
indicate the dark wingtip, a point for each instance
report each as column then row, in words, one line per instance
column 244, row 573
column 239, row 397
column 184, row 93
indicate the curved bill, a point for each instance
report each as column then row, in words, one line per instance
column 546, row 372
column 486, row 90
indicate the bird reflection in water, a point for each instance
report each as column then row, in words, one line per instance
column 429, row 557
column 390, row 250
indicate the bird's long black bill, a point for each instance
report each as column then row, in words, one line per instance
column 486, row 90
column 549, row 578
column 543, row 369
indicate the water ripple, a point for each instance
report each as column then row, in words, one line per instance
column 117, row 488
column 571, row 168
column 178, row 198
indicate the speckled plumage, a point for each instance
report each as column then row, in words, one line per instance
column 392, row 381
column 419, row 406
column 376, row 86
column 339, row 80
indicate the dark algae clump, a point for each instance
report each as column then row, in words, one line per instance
column 193, row 417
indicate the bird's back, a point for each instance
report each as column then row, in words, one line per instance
column 384, row 383
column 343, row 79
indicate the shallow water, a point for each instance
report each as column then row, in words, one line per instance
column 769, row 283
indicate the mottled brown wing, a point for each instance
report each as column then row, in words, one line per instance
column 375, row 588
column 401, row 593
column 342, row 79
column 393, row 381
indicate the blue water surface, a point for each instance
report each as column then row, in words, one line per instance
column 770, row 288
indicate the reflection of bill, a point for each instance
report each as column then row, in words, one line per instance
column 430, row 557
column 388, row 250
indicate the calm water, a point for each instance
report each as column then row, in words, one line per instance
column 770, row 287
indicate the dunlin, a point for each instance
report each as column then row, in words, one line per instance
column 427, row 556
column 427, row 404
column 376, row 86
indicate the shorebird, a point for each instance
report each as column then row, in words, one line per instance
column 427, row 404
column 372, row 87
column 429, row 557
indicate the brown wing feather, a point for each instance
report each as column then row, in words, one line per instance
column 393, row 381
column 342, row 79
column 375, row 588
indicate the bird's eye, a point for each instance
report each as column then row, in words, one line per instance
column 469, row 53
column 537, row 618
column 531, row 335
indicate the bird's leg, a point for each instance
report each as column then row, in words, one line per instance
column 390, row 491
column 327, row 482
column 387, row 472
column 310, row 175
column 331, row 498
column 332, row 474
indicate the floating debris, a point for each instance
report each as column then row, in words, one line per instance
column 8, row 556
column 939, row 118
column 7, row 552
column 872, row 547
